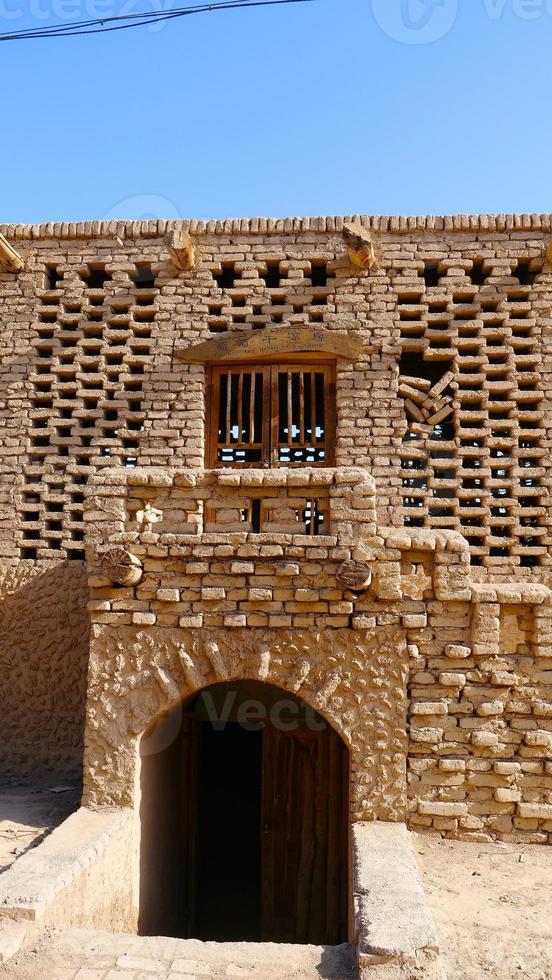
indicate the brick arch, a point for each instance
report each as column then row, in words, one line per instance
column 355, row 680
column 164, row 727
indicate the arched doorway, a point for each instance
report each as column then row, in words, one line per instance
column 244, row 820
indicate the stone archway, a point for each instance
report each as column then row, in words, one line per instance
column 244, row 820
column 356, row 680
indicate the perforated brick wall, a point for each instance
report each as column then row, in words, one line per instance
column 91, row 327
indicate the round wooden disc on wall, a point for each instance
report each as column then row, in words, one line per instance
column 355, row 575
column 120, row 567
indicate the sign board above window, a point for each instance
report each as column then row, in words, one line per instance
column 242, row 344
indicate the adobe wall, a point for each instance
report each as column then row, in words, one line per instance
column 92, row 383
column 91, row 377
column 470, row 664
column 44, row 642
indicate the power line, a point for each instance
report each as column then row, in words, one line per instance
column 103, row 25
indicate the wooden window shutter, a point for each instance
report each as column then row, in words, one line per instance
column 272, row 415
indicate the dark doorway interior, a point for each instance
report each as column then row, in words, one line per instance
column 229, row 844
column 244, row 819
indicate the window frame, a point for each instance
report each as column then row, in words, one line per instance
column 269, row 367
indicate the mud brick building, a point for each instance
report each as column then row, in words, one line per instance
column 305, row 458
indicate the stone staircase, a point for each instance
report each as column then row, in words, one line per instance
column 84, row 954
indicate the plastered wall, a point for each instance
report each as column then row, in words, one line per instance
column 44, row 631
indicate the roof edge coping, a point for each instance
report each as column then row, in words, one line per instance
column 393, row 224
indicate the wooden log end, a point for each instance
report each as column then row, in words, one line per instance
column 121, row 567
column 181, row 249
column 10, row 260
column 360, row 246
column 355, row 575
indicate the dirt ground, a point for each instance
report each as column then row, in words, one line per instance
column 492, row 905
column 29, row 813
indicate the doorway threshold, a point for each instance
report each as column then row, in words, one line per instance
column 73, row 950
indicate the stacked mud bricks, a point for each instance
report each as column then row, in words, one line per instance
column 443, row 425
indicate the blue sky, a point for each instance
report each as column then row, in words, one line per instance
column 334, row 106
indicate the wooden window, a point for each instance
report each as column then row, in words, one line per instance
column 272, row 415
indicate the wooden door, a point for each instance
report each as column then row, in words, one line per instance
column 304, row 837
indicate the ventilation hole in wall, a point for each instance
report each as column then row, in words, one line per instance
column 256, row 515
column 143, row 277
column 319, row 274
column 51, row 277
column 142, row 315
column 96, row 277
column 410, row 315
column 527, row 270
column 444, row 431
column 226, row 278
column 28, row 553
column 477, row 273
column 47, row 316
column 529, row 561
column 272, row 275
column 431, row 274
column 410, row 298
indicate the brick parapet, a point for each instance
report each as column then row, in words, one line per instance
column 395, row 224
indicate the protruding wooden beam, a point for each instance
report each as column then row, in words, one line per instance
column 120, row 567
column 10, row 260
column 360, row 246
column 181, row 249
